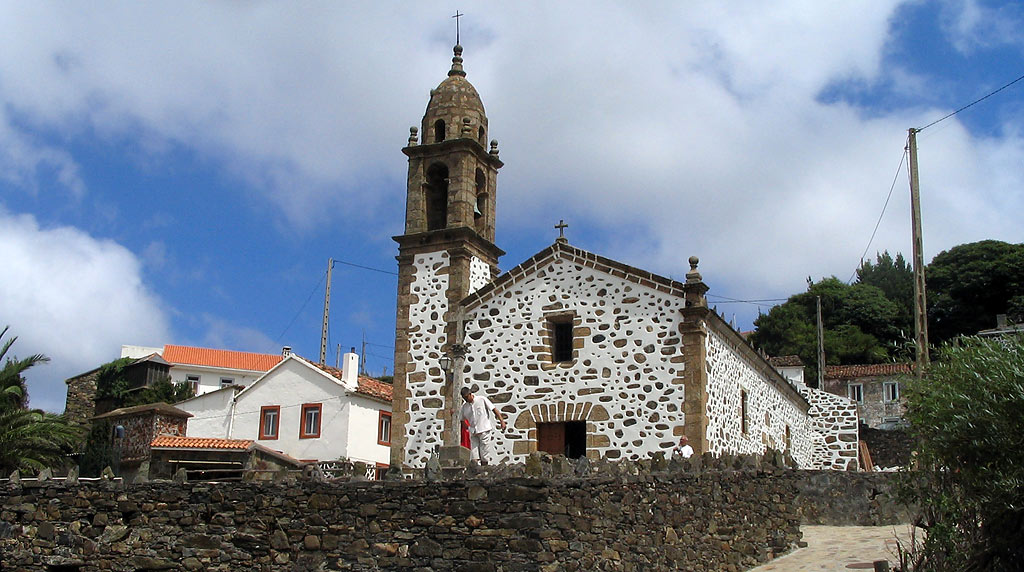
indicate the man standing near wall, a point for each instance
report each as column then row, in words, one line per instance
column 477, row 410
column 683, row 449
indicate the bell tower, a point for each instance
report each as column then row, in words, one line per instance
column 446, row 253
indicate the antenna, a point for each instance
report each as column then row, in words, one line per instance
column 457, row 16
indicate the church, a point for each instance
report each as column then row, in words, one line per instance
column 584, row 355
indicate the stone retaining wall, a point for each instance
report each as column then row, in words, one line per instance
column 712, row 520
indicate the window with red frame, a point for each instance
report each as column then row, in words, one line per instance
column 270, row 419
column 384, row 429
column 310, row 428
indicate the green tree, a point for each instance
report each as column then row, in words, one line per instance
column 29, row 439
column 895, row 278
column 966, row 416
column 859, row 325
column 969, row 284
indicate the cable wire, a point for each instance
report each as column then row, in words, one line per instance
column 336, row 261
column 979, row 100
column 308, row 298
column 881, row 214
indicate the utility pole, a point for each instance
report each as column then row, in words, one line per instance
column 821, row 348
column 920, row 304
column 362, row 356
column 327, row 313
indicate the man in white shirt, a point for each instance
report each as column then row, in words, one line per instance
column 477, row 410
column 683, row 449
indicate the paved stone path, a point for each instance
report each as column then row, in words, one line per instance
column 841, row 548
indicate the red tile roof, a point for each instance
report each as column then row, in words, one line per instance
column 785, row 361
column 367, row 385
column 868, row 370
column 172, row 442
column 187, row 355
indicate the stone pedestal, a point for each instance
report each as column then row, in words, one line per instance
column 454, row 456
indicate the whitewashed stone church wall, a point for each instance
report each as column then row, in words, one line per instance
column 769, row 412
column 479, row 274
column 834, row 420
column 625, row 379
column 426, row 337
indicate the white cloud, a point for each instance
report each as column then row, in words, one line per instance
column 73, row 298
column 698, row 126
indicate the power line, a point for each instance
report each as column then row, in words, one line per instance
column 308, row 298
column 979, row 100
column 336, row 261
column 726, row 300
column 881, row 214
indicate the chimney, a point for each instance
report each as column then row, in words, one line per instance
column 350, row 370
column 286, row 351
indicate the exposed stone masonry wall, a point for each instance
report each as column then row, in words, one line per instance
column 719, row 520
column 770, row 415
column 624, row 379
column 426, row 337
column 835, row 422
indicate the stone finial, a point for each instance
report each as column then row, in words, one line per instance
column 457, row 63
column 414, row 136
column 44, row 475
column 15, row 477
column 107, row 474
column 467, row 127
column 72, row 478
column 693, row 275
column 494, row 147
column 181, row 476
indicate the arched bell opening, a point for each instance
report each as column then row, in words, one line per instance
column 437, row 196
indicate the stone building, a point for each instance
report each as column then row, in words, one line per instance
column 134, row 428
column 584, row 355
column 877, row 389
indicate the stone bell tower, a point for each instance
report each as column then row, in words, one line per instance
column 446, row 253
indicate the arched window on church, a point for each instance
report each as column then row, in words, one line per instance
column 439, row 131
column 437, row 196
column 480, row 209
column 481, row 136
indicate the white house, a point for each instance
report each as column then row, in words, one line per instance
column 305, row 410
column 208, row 369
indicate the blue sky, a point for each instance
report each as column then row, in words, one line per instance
column 181, row 172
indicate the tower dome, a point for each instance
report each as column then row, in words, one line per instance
column 455, row 110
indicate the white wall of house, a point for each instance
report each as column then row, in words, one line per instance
column 211, row 414
column 363, row 422
column 210, row 378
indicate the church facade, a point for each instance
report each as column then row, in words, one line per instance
column 584, row 355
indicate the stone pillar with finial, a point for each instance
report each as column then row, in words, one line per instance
column 693, row 331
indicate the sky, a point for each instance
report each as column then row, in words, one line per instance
column 181, row 172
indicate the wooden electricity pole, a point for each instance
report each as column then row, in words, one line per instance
column 821, row 349
column 327, row 313
column 920, row 304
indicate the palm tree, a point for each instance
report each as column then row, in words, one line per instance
column 29, row 439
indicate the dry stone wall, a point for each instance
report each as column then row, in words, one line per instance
column 642, row 520
column 624, row 379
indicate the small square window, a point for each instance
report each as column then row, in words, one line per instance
column 561, row 348
column 890, row 391
column 226, row 381
column 270, row 417
column 856, row 392
column 384, row 429
column 311, row 413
